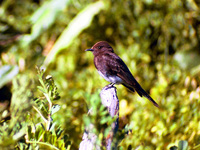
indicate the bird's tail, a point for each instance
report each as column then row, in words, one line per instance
column 141, row 92
column 130, row 88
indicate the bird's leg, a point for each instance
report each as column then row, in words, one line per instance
column 110, row 86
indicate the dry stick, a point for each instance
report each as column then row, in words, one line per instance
column 109, row 99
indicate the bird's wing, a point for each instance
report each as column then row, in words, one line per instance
column 115, row 66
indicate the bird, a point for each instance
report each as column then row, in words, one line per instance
column 113, row 69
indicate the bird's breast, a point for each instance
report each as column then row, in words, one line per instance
column 111, row 78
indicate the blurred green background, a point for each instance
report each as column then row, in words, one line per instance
column 159, row 40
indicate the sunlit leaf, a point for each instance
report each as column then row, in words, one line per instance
column 44, row 17
column 41, row 89
column 75, row 27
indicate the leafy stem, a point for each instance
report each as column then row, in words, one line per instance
column 42, row 143
column 45, row 120
column 49, row 111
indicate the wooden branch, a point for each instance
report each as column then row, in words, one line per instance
column 89, row 140
column 110, row 100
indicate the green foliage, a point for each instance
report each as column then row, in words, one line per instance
column 44, row 17
column 25, row 131
column 79, row 23
column 46, row 134
column 159, row 42
column 13, row 130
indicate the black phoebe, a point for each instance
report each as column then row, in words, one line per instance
column 112, row 68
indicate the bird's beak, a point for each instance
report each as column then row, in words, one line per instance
column 90, row 49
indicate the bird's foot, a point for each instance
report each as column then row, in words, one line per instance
column 111, row 85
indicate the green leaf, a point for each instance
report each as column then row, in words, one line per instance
column 39, row 131
column 105, row 120
column 60, row 144
column 30, row 135
column 41, row 89
column 42, row 82
column 75, row 27
column 59, row 131
column 44, row 17
column 53, row 140
column 47, row 136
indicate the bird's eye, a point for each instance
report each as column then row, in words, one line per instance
column 99, row 47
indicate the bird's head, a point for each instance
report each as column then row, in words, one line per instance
column 99, row 47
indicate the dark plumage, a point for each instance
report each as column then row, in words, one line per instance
column 112, row 68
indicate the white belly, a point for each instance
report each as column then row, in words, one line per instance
column 112, row 79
